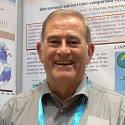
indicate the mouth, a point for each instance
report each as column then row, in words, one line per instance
column 64, row 63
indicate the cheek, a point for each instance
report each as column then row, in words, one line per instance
column 82, row 60
column 48, row 55
column 82, row 52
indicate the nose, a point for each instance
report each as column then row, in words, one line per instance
column 63, row 50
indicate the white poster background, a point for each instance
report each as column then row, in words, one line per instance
column 94, row 11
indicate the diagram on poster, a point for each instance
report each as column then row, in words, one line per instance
column 7, row 70
column 5, row 64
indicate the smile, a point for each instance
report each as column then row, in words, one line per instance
column 64, row 63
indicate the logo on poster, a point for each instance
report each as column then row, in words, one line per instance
column 121, row 60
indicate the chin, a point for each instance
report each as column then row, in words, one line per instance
column 65, row 77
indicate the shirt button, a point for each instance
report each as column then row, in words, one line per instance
column 61, row 110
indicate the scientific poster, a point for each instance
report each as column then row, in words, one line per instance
column 107, row 24
column 7, row 50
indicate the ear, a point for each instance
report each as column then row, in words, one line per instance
column 90, row 52
column 39, row 50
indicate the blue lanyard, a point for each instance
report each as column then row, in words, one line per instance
column 78, row 113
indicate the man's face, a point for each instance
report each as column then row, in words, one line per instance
column 64, row 52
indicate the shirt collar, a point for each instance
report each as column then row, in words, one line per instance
column 46, row 88
column 83, row 88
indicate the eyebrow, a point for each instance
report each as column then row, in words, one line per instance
column 74, row 37
column 52, row 37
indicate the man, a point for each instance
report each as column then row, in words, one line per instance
column 66, row 97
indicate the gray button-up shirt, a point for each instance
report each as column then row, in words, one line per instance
column 102, row 103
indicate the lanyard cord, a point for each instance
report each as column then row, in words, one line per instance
column 78, row 113
column 80, row 108
column 41, row 114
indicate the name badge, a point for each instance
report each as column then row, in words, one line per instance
column 97, row 121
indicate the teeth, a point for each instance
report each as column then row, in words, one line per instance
column 64, row 63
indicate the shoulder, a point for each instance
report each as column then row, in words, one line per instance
column 21, row 100
column 107, row 101
column 103, row 90
column 107, row 94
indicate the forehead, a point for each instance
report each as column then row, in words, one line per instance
column 68, row 23
column 63, row 18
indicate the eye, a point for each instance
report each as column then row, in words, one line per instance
column 74, row 42
column 53, row 41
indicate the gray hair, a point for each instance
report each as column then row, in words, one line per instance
column 66, row 12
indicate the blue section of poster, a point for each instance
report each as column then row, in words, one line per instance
column 120, row 72
column 5, row 64
column 13, row 1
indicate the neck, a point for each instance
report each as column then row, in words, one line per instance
column 63, row 91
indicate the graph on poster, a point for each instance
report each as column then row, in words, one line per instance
column 5, row 64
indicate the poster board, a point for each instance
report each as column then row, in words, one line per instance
column 7, row 50
column 107, row 23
